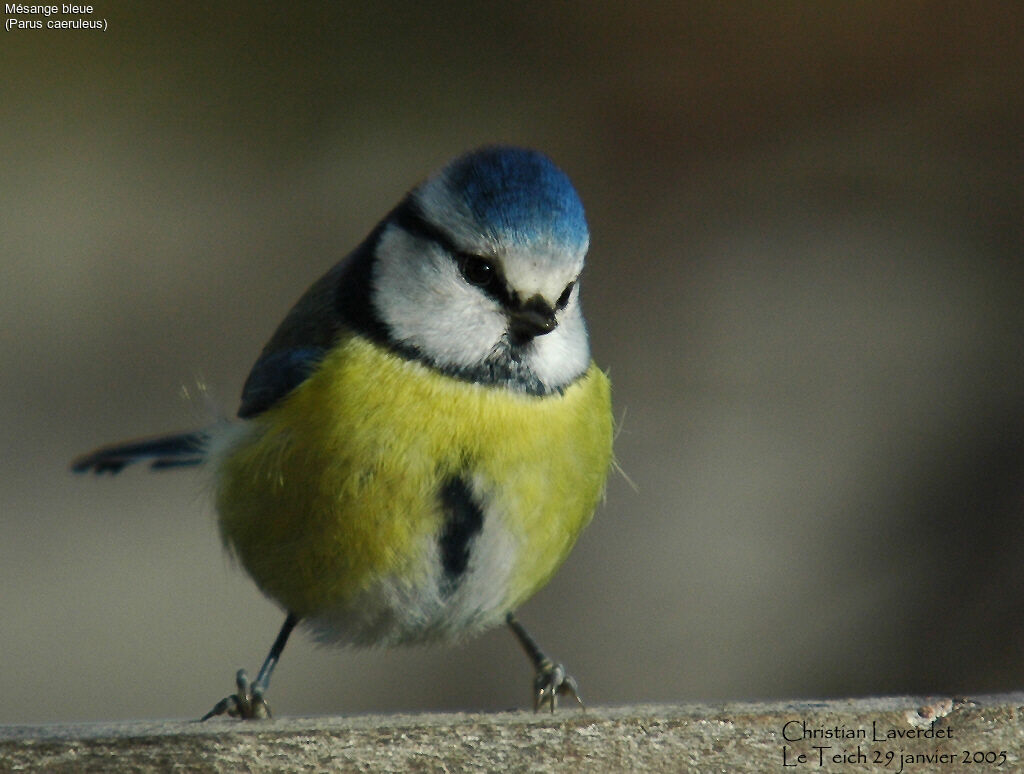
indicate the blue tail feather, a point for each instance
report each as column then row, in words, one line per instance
column 165, row 451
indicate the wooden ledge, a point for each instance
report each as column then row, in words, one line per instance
column 893, row 733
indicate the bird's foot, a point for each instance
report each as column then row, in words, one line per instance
column 551, row 681
column 247, row 703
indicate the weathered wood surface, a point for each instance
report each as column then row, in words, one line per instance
column 730, row 737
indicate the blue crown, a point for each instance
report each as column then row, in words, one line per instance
column 520, row 195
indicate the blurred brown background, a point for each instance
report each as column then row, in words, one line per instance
column 805, row 280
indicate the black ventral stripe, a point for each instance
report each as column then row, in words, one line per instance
column 463, row 521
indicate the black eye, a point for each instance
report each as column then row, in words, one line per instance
column 477, row 271
column 564, row 298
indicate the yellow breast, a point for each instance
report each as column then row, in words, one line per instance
column 334, row 492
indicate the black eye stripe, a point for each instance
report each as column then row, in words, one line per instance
column 410, row 218
column 495, row 287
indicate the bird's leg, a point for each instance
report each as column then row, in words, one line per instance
column 551, row 679
column 247, row 703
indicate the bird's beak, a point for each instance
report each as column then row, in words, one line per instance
column 532, row 318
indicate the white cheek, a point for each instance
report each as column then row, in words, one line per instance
column 426, row 305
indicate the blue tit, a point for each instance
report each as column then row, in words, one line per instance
column 425, row 435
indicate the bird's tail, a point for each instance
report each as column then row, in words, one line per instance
column 164, row 451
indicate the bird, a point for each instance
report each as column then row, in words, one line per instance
column 425, row 435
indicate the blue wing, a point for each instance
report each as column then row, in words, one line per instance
column 275, row 375
column 339, row 299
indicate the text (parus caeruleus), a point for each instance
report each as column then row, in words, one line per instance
column 425, row 435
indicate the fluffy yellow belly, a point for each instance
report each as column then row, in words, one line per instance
column 334, row 500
